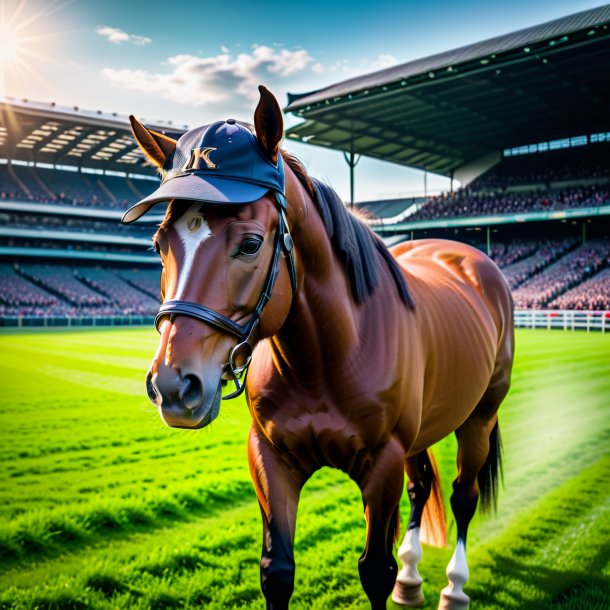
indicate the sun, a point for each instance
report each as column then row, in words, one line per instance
column 23, row 45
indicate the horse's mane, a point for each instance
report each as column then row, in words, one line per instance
column 358, row 248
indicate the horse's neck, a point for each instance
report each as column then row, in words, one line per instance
column 322, row 308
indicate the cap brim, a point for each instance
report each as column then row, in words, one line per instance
column 192, row 187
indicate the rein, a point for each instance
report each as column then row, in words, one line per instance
column 283, row 243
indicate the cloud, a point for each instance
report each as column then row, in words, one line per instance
column 118, row 36
column 200, row 81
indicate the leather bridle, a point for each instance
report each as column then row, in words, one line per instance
column 243, row 333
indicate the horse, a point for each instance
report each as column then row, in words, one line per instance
column 351, row 355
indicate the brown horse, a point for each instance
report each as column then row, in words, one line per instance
column 363, row 358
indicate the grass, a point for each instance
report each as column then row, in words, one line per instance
column 102, row 506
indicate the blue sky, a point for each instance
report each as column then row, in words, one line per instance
column 195, row 62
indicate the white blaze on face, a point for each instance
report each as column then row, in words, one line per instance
column 193, row 230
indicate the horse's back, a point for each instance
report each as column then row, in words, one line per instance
column 446, row 266
column 463, row 312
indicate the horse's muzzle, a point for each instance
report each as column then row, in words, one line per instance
column 183, row 401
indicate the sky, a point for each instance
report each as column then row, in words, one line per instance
column 197, row 62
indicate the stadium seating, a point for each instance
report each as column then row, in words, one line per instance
column 62, row 291
column 121, row 293
column 146, row 281
column 21, row 297
column 545, row 253
column 63, row 282
column 567, row 272
column 467, row 202
column 40, row 221
column 72, row 188
column 578, row 164
column 594, row 294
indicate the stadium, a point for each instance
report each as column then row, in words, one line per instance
column 535, row 191
column 519, row 123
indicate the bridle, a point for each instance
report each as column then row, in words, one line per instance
column 243, row 347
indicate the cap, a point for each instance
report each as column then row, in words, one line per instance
column 218, row 163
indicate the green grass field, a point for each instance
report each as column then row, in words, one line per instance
column 102, row 506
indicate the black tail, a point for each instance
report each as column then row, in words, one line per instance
column 490, row 473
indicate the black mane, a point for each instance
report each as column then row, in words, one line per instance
column 358, row 248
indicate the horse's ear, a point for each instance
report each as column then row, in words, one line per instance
column 155, row 146
column 268, row 123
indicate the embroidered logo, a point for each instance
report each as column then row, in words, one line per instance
column 199, row 156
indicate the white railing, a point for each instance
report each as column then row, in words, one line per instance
column 564, row 320
column 524, row 318
column 64, row 321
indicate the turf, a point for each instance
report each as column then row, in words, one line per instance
column 102, row 506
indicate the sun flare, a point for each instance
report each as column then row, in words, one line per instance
column 9, row 43
column 23, row 48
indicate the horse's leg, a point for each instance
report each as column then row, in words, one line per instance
column 381, row 488
column 278, row 488
column 408, row 587
column 473, row 449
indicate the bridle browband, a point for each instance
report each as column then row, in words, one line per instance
column 243, row 347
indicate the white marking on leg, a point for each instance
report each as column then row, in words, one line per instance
column 193, row 230
column 408, row 588
column 453, row 596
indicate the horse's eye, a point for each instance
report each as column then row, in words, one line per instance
column 249, row 247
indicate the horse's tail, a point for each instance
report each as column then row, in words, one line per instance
column 434, row 525
column 491, row 472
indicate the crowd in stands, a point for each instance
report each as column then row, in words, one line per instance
column 568, row 271
column 544, row 253
column 118, row 291
column 71, row 188
column 86, row 225
column 20, row 297
column 60, row 291
column 467, row 202
column 144, row 280
column 552, row 274
column 593, row 294
column 587, row 163
column 505, row 254
column 542, row 273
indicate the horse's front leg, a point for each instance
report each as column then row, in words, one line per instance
column 381, row 488
column 278, row 487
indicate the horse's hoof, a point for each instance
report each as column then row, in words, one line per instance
column 454, row 600
column 405, row 595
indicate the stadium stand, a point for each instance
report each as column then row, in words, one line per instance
column 70, row 188
column 56, row 290
column 467, row 202
column 144, row 280
column 67, row 174
column 130, row 300
column 593, row 294
column 545, row 253
column 20, row 297
column 63, row 282
column 567, row 272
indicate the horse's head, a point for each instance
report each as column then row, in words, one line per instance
column 226, row 250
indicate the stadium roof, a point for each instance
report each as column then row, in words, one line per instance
column 46, row 133
column 442, row 112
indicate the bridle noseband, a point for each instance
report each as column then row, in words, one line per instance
column 243, row 347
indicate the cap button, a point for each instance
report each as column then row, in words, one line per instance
column 230, row 121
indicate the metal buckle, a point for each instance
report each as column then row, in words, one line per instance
column 244, row 350
column 244, row 347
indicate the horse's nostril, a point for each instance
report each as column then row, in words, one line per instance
column 191, row 392
column 150, row 388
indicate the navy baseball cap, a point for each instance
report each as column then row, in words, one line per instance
column 218, row 163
